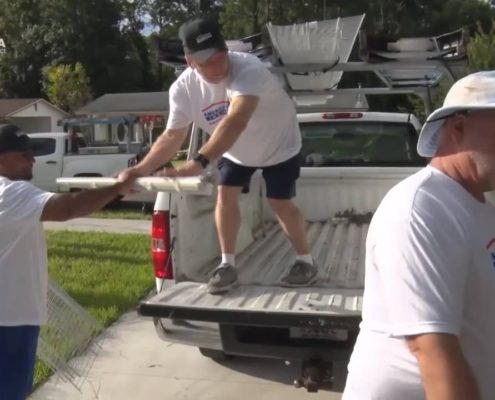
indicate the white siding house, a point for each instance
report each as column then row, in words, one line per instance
column 32, row 115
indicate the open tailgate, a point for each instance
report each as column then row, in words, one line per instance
column 271, row 306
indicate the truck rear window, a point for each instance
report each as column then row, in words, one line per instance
column 363, row 143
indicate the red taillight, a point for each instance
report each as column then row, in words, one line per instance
column 160, row 245
column 342, row 115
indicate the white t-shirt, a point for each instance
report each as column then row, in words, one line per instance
column 23, row 258
column 272, row 134
column 430, row 268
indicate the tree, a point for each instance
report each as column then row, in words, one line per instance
column 25, row 53
column 481, row 50
column 385, row 17
column 91, row 32
column 67, row 86
column 134, row 12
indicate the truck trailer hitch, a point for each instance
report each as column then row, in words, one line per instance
column 315, row 374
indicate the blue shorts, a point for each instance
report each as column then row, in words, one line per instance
column 17, row 358
column 280, row 179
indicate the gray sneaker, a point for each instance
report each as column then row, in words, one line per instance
column 224, row 278
column 301, row 274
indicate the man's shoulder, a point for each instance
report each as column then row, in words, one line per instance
column 243, row 62
column 187, row 77
column 424, row 195
column 13, row 188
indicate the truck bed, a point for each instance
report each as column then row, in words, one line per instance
column 338, row 246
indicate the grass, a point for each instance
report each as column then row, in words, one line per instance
column 121, row 214
column 106, row 273
column 178, row 163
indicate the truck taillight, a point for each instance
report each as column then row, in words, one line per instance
column 161, row 245
column 342, row 115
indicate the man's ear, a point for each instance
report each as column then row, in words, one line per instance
column 190, row 62
column 457, row 125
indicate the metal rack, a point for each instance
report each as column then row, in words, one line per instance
column 403, row 65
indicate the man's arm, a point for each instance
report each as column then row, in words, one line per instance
column 62, row 207
column 162, row 151
column 231, row 127
column 445, row 372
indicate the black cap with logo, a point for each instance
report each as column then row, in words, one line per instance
column 201, row 38
column 12, row 138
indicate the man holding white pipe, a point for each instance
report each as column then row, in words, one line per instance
column 252, row 125
column 23, row 257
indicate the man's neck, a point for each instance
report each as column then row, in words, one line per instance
column 463, row 170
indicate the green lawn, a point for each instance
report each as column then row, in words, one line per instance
column 106, row 273
column 178, row 163
column 121, row 214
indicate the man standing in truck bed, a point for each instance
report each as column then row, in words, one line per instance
column 252, row 123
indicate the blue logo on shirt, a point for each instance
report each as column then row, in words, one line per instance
column 492, row 253
column 215, row 112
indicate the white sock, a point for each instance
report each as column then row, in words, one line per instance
column 228, row 259
column 307, row 258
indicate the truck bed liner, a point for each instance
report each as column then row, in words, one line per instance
column 338, row 245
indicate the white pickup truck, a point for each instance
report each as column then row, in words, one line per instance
column 54, row 160
column 349, row 161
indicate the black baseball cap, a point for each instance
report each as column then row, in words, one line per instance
column 201, row 38
column 12, row 138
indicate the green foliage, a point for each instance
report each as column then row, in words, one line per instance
column 105, row 36
column 386, row 17
column 416, row 105
column 67, row 87
column 481, row 50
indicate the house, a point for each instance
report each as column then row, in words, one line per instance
column 117, row 104
column 32, row 115
column 151, row 108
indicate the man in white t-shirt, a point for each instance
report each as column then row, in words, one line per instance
column 428, row 324
column 23, row 258
column 252, row 125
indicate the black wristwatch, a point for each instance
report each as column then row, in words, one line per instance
column 202, row 160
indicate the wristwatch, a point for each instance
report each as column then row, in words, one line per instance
column 202, row 160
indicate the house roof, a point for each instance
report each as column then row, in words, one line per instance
column 8, row 107
column 128, row 103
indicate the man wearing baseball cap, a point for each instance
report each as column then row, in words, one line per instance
column 252, row 125
column 23, row 258
column 428, row 323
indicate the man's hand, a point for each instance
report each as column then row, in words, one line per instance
column 126, row 181
column 190, row 168
column 135, row 172
column 62, row 207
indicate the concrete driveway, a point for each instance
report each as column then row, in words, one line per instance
column 134, row 364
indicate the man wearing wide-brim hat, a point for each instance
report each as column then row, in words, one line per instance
column 428, row 323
